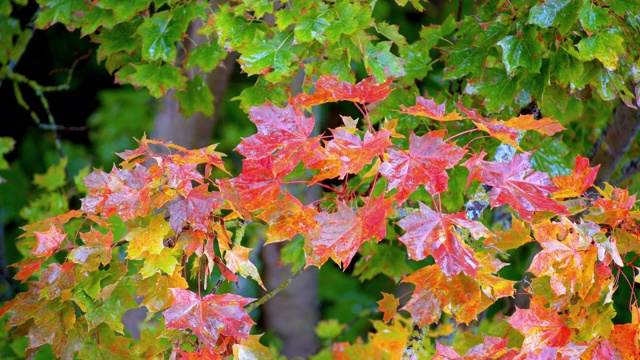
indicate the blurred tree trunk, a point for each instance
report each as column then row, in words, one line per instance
column 615, row 142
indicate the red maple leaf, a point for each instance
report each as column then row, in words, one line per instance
column 47, row 242
column 541, row 328
column 195, row 208
column 330, row 89
column 580, row 179
column 425, row 163
column 285, row 131
column 432, row 233
column 515, row 183
column 258, row 185
column 210, row 318
column 428, row 108
column 346, row 153
column 342, row 232
column 123, row 192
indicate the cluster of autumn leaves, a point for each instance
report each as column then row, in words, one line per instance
column 175, row 211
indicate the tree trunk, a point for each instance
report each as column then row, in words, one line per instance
column 616, row 142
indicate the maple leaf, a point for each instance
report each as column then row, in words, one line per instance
column 95, row 251
column 346, row 153
column 517, row 235
column 47, row 242
column 425, row 163
column 180, row 177
column 147, row 237
column 59, row 281
column 284, row 132
column 121, row 192
column 342, row 232
column 491, row 348
column 155, row 290
column 287, row 218
column 211, row 317
column 432, row 233
column 515, row 183
column 428, row 108
column 251, row 348
column 624, row 336
column 388, row 306
column 232, row 197
column 26, row 268
column 508, row 131
column 563, row 261
column 613, row 208
column 258, row 185
column 330, row 89
column 576, row 183
column 389, row 339
column 458, row 295
column 238, row 261
column 195, row 208
column 541, row 328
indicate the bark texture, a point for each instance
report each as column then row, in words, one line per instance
column 616, row 142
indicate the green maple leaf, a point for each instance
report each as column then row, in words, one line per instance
column 235, row 31
column 464, row 61
column 311, row 26
column 54, row 178
column 273, row 57
column 522, row 51
column 259, row 93
column 161, row 32
column 59, row 11
column 391, row 32
column 381, row 63
column 260, row 7
column 561, row 14
column 498, row 88
column 604, row 46
column 114, row 300
column 124, row 10
column 434, row 33
column 593, row 17
column 95, row 19
column 381, row 258
column 349, row 19
column 205, row 56
column 417, row 61
column 120, row 38
column 565, row 66
column 158, row 79
column 165, row 261
column 621, row 6
column 9, row 28
column 197, row 97
column 103, row 343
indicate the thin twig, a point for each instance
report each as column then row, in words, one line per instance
column 273, row 292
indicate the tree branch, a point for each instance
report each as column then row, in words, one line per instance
column 273, row 292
